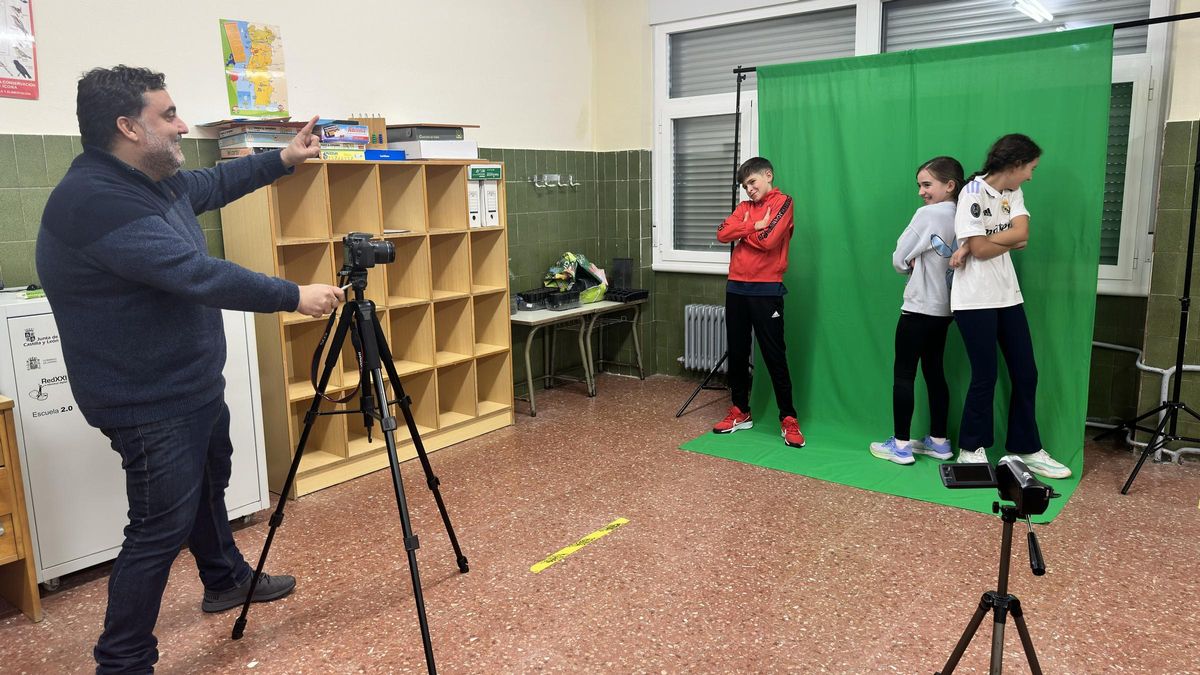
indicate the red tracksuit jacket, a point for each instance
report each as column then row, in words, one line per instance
column 760, row 255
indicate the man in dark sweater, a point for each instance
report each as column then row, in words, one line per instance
column 138, row 301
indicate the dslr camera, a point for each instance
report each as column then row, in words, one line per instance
column 361, row 251
column 1011, row 478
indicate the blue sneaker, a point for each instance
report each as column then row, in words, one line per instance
column 933, row 448
column 892, row 452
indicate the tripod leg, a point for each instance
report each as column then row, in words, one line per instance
column 1157, row 440
column 985, row 603
column 431, row 480
column 1026, row 642
column 703, row 384
column 1131, row 425
column 331, row 359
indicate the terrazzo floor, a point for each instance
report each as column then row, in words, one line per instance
column 722, row 568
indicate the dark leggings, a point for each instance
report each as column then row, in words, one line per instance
column 763, row 314
column 920, row 338
column 981, row 330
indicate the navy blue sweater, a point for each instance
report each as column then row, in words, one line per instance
column 136, row 296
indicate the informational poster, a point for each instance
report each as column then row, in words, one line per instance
column 18, row 56
column 254, row 71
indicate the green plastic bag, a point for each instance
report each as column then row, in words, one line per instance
column 574, row 272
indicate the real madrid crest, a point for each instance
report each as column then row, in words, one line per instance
column 1004, row 206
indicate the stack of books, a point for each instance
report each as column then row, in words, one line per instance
column 240, row 139
column 431, row 141
column 344, row 140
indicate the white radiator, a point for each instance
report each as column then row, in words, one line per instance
column 703, row 337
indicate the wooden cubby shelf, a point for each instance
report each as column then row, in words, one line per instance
column 456, row 394
column 354, row 199
column 451, row 267
column 442, row 306
column 489, row 261
column 402, row 191
column 446, row 187
column 493, row 375
column 492, row 331
column 302, row 204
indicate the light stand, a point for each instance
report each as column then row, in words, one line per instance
column 1170, row 409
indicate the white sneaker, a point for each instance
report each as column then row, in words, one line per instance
column 977, row 456
column 1043, row 464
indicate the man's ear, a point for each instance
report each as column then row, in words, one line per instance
column 127, row 127
column 770, row 176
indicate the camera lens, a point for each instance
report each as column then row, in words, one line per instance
column 385, row 252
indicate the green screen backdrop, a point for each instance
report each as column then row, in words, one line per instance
column 845, row 137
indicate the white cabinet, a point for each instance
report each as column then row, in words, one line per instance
column 74, row 485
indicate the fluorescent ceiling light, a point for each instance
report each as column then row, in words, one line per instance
column 1034, row 10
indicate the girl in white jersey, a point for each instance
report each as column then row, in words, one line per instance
column 991, row 221
column 922, row 252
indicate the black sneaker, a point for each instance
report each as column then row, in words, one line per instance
column 269, row 588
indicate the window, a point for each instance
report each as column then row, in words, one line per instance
column 695, row 92
column 695, row 96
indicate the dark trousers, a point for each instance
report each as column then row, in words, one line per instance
column 176, row 472
column 981, row 330
column 763, row 314
column 920, row 338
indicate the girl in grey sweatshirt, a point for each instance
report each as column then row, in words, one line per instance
column 923, row 253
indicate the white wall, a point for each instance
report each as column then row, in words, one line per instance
column 521, row 69
column 622, row 75
column 1185, row 66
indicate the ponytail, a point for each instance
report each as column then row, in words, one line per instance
column 1007, row 152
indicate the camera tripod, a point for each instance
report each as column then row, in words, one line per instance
column 1002, row 603
column 359, row 319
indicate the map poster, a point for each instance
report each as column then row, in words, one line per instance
column 18, row 58
column 254, row 71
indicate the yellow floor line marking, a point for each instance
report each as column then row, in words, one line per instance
column 562, row 553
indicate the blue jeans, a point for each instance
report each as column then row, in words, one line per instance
column 176, row 471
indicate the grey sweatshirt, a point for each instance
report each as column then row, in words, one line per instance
column 928, row 290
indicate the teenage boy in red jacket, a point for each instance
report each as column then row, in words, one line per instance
column 762, row 228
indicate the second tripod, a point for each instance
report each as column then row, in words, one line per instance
column 359, row 320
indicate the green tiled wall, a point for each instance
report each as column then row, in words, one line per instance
column 30, row 167
column 1166, row 285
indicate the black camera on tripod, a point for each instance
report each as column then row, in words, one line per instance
column 362, row 251
column 1011, row 478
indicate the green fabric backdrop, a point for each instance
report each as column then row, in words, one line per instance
column 845, row 137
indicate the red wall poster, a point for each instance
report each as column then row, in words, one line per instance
column 18, row 55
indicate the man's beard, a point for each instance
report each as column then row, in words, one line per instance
column 161, row 159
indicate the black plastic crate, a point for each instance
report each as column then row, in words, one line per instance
column 534, row 298
column 564, row 300
column 626, row 294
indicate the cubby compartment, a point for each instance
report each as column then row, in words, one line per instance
column 377, row 290
column 456, row 394
column 451, row 266
column 327, row 440
column 302, row 204
column 300, row 342
column 421, row 388
column 408, row 278
column 411, row 338
column 494, row 377
column 402, row 195
column 354, row 198
column 305, row 264
column 492, row 328
column 489, row 261
column 454, row 338
column 446, row 188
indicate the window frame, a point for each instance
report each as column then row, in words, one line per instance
column 1130, row 276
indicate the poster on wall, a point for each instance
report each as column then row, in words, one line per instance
column 254, row 72
column 18, row 57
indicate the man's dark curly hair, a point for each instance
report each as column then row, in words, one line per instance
column 108, row 93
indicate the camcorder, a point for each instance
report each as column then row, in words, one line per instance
column 362, row 251
column 1011, row 478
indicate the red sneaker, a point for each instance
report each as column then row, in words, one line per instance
column 790, row 430
column 734, row 421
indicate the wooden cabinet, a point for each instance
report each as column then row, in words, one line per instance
column 443, row 306
column 18, row 580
